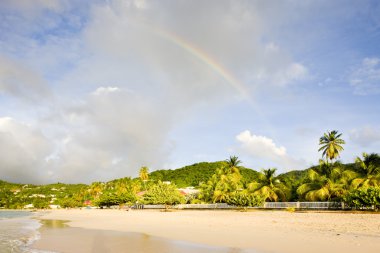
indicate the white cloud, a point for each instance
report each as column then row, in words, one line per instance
column 23, row 151
column 111, row 133
column 260, row 145
column 365, row 79
column 365, row 136
column 264, row 149
column 105, row 90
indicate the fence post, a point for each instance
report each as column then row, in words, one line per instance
column 298, row 205
column 343, row 206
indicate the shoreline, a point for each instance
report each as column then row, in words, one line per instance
column 259, row 231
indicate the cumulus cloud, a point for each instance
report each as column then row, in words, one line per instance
column 111, row 133
column 264, row 148
column 365, row 79
column 365, row 136
column 23, row 152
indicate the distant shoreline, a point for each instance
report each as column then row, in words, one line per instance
column 263, row 231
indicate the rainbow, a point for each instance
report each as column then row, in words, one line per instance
column 205, row 58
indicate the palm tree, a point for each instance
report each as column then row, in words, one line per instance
column 233, row 163
column 325, row 183
column 96, row 189
column 221, row 185
column 269, row 186
column 331, row 145
column 368, row 171
column 144, row 174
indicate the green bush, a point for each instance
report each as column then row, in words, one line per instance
column 363, row 198
column 161, row 193
column 108, row 200
column 244, row 199
column 40, row 203
column 70, row 203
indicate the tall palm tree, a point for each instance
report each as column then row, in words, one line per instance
column 144, row 173
column 331, row 145
column 269, row 186
column 368, row 171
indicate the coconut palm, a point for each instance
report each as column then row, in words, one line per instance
column 96, row 189
column 368, row 171
column 224, row 182
column 233, row 163
column 144, row 173
column 324, row 183
column 331, row 145
column 269, row 186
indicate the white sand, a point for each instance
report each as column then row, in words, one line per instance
column 265, row 231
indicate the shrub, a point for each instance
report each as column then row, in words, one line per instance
column 363, row 198
column 161, row 193
column 69, row 203
column 244, row 199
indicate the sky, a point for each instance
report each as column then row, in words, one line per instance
column 94, row 90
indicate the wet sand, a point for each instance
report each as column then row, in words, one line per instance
column 210, row 231
column 58, row 236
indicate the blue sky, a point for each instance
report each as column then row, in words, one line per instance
column 91, row 91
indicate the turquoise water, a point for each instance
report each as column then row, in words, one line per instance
column 17, row 231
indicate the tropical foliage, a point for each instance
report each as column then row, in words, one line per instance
column 368, row 171
column 144, row 173
column 226, row 186
column 162, row 193
column 194, row 175
column 326, row 182
column 364, row 197
column 244, row 198
column 269, row 186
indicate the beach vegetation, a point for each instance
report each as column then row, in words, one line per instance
column 224, row 182
column 368, row 171
column 161, row 193
column 324, row 183
column 245, row 199
column 269, row 187
column 364, row 198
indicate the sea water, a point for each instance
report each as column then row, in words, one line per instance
column 18, row 231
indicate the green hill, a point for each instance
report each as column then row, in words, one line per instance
column 197, row 173
column 18, row 195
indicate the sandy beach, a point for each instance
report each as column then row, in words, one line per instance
column 256, row 231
